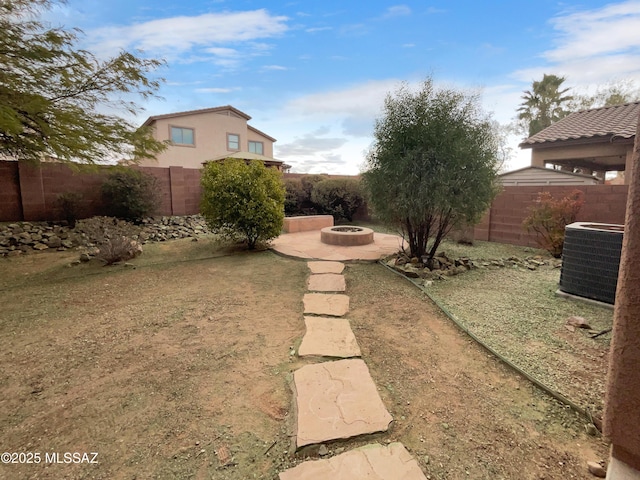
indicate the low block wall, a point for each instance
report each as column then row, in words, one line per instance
column 503, row 222
column 308, row 223
column 30, row 193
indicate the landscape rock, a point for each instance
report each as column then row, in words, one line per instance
column 54, row 241
column 578, row 322
column 596, row 469
column 36, row 236
column 410, row 271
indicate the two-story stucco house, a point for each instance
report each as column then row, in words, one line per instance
column 210, row 134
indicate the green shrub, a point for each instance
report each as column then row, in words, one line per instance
column 70, row 207
column 115, row 239
column 340, row 197
column 295, row 196
column 548, row 217
column 308, row 182
column 130, row 194
column 240, row 199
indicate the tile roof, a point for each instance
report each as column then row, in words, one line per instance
column 619, row 121
column 149, row 120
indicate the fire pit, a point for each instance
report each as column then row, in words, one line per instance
column 346, row 235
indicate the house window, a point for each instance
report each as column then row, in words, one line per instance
column 256, row 147
column 182, row 136
column 233, row 141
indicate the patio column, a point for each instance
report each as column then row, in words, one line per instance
column 622, row 402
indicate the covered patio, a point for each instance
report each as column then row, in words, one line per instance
column 590, row 142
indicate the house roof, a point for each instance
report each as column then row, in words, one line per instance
column 244, row 156
column 224, row 108
column 605, row 123
column 261, row 133
column 151, row 119
column 550, row 171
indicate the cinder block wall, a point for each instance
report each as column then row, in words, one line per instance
column 10, row 204
column 30, row 193
column 503, row 222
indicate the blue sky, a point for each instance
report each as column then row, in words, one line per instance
column 314, row 74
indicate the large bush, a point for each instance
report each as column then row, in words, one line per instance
column 241, row 199
column 295, row 196
column 130, row 194
column 433, row 165
column 340, row 197
column 549, row 216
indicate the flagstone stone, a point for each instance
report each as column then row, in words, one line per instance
column 371, row 462
column 335, row 305
column 328, row 337
column 337, row 400
column 326, row 282
column 326, row 267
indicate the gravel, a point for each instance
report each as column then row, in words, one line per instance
column 516, row 312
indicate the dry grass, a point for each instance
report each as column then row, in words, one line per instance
column 516, row 312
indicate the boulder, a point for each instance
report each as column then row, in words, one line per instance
column 54, row 241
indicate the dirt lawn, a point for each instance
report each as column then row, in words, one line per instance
column 180, row 368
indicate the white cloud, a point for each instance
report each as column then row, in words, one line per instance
column 217, row 90
column 397, row 11
column 365, row 98
column 318, row 29
column 612, row 29
column 310, row 144
column 173, row 37
column 274, row 67
column 593, row 46
column 223, row 52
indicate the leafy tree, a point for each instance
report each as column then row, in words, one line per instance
column 243, row 199
column 544, row 104
column 611, row 94
column 130, row 194
column 549, row 216
column 433, row 164
column 54, row 96
column 340, row 197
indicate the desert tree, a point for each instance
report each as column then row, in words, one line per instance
column 545, row 103
column 433, row 164
column 59, row 100
column 615, row 92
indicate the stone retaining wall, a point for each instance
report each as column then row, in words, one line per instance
column 27, row 237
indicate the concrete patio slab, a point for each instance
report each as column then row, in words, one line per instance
column 371, row 462
column 335, row 305
column 308, row 245
column 337, row 400
column 326, row 282
column 326, row 267
column 328, row 337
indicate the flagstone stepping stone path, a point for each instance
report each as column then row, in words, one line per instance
column 335, row 305
column 328, row 337
column 375, row 462
column 326, row 282
column 338, row 399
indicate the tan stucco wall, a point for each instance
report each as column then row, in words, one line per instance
column 605, row 153
column 210, row 133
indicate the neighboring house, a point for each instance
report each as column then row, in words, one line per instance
column 591, row 142
column 210, row 134
column 538, row 176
